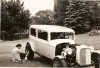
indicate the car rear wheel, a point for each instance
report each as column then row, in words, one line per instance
column 29, row 52
column 59, row 63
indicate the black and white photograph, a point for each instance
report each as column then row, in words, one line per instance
column 50, row 33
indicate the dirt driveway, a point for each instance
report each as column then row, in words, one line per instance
column 7, row 46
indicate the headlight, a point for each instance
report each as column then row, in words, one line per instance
column 92, row 48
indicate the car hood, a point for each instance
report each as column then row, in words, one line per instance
column 59, row 41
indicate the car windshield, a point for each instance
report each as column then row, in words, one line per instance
column 62, row 35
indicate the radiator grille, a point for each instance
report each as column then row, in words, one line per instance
column 85, row 56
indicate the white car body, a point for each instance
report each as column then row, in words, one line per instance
column 51, row 40
column 47, row 47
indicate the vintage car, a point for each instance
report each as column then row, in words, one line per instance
column 58, row 44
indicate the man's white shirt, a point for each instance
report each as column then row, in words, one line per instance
column 15, row 54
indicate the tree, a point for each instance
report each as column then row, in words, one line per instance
column 43, row 17
column 14, row 19
column 80, row 16
column 60, row 11
column 96, row 14
column 0, row 20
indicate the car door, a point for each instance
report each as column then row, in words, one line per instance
column 43, row 44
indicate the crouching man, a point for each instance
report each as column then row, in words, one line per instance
column 16, row 54
column 67, row 50
column 68, row 54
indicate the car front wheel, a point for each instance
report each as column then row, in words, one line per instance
column 59, row 63
column 29, row 52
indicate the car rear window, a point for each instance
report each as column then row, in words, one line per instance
column 33, row 32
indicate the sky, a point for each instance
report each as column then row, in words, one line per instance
column 36, row 5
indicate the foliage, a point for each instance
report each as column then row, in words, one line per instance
column 60, row 11
column 80, row 16
column 43, row 17
column 14, row 19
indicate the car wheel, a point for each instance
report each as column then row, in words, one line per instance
column 29, row 52
column 59, row 63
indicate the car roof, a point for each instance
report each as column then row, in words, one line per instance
column 52, row 28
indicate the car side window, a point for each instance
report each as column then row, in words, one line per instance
column 42, row 35
column 33, row 32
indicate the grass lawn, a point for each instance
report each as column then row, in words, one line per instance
column 88, row 40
